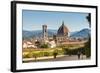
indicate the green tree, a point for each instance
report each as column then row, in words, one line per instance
column 55, row 53
column 89, row 19
column 44, row 46
column 46, row 53
column 37, row 43
column 65, row 51
column 88, row 43
column 88, row 48
column 35, row 55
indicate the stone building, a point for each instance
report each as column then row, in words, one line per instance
column 62, row 34
column 45, row 34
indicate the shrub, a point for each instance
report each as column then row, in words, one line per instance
column 40, row 54
column 71, row 51
column 55, row 53
column 29, row 55
column 65, row 50
column 44, row 46
column 88, row 48
column 35, row 55
column 88, row 52
column 60, row 52
column 26, row 56
column 46, row 53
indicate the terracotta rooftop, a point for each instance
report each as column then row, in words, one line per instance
column 63, row 30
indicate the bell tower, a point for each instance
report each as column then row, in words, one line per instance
column 45, row 33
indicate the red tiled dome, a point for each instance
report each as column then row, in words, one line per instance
column 63, row 30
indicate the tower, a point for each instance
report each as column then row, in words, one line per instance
column 45, row 33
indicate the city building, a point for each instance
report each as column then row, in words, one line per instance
column 62, row 33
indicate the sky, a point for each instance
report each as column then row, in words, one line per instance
column 33, row 20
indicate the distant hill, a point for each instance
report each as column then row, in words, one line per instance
column 84, row 33
column 37, row 33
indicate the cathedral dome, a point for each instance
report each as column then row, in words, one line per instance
column 63, row 30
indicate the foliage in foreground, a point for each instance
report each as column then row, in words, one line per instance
column 43, row 53
column 86, row 50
